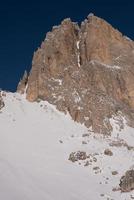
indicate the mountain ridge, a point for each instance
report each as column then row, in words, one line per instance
column 87, row 73
column 85, row 70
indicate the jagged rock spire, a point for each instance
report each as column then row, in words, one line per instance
column 23, row 82
column 86, row 71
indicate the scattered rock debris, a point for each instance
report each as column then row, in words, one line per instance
column 108, row 152
column 121, row 143
column 79, row 155
column 114, row 173
column 85, row 135
column 84, row 142
column 87, row 163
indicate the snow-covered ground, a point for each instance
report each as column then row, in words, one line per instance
column 35, row 143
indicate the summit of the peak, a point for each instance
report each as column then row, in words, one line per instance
column 85, row 71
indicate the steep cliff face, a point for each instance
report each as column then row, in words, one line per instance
column 87, row 71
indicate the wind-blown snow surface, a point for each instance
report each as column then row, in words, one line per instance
column 35, row 143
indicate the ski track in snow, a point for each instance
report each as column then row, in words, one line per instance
column 34, row 164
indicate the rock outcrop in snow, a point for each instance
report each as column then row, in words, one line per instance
column 127, row 181
column 23, row 82
column 85, row 70
column 2, row 104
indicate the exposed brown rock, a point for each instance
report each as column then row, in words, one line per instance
column 76, row 156
column 108, row 152
column 87, row 71
column 114, row 173
column 87, row 163
column 127, row 181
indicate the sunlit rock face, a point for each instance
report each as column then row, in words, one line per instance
column 86, row 70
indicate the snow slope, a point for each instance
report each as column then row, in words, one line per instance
column 35, row 143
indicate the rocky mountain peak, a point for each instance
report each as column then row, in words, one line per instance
column 85, row 70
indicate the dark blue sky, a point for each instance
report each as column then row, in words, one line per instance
column 23, row 25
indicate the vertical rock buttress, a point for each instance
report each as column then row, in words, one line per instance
column 87, row 71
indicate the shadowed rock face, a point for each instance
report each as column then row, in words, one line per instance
column 87, row 71
column 127, row 181
column 2, row 104
column 22, row 84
